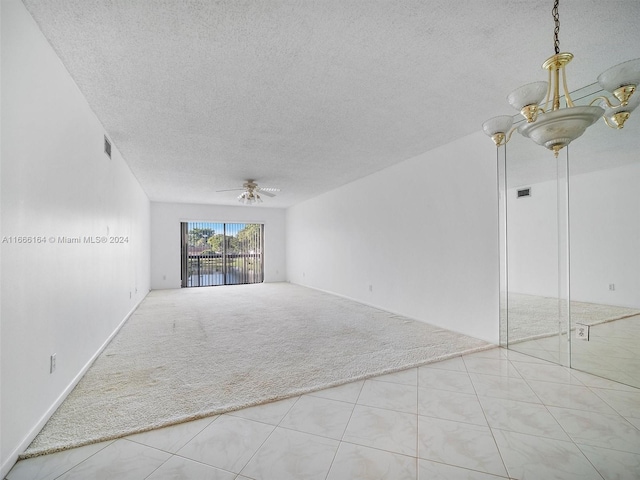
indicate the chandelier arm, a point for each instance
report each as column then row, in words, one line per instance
column 501, row 139
column 567, row 97
column 606, row 100
column 556, row 88
column 546, row 102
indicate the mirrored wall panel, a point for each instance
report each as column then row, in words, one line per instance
column 535, row 228
column 604, row 209
column 570, row 249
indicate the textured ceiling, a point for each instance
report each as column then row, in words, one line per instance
column 308, row 95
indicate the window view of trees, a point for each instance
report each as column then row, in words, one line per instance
column 224, row 253
column 206, row 241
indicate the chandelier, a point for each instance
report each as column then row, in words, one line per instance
column 555, row 127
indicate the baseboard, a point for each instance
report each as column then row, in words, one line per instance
column 378, row 307
column 15, row 454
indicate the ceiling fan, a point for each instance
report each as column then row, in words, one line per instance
column 251, row 192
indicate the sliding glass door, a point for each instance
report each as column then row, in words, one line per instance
column 215, row 253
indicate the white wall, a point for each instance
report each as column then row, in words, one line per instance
column 57, row 182
column 604, row 223
column 423, row 234
column 165, row 237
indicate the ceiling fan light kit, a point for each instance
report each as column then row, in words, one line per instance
column 251, row 193
column 555, row 127
column 249, row 198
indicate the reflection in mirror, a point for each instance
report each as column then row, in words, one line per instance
column 536, row 303
column 604, row 206
column 574, row 234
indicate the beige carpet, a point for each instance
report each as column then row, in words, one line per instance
column 186, row 354
column 531, row 316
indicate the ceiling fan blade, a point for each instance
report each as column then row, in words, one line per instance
column 230, row 190
column 268, row 194
column 268, row 189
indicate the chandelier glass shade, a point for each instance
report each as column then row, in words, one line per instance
column 555, row 126
column 497, row 128
column 249, row 197
column 525, row 98
column 622, row 79
column 615, row 116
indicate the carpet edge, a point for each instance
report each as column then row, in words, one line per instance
column 36, row 452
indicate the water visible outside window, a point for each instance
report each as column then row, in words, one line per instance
column 221, row 253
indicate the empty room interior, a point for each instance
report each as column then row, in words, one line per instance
column 291, row 239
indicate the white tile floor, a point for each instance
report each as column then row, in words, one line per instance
column 491, row 415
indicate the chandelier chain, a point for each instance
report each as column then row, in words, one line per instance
column 556, row 31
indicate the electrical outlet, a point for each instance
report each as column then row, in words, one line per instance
column 582, row 331
column 612, row 287
column 371, row 288
column 52, row 363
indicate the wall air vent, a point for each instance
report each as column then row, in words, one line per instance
column 524, row 192
column 107, row 146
